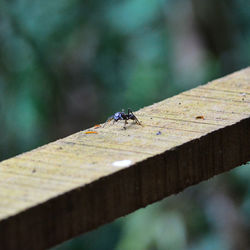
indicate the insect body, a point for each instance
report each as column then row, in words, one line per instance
column 123, row 116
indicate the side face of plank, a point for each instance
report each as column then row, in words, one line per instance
column 92, row 177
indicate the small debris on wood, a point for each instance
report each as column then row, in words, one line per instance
column 243, row 96
column 34, row 170
column 200, row 117
column 91, row 132
column 158, row 133
column 97, row 126
column 124, row 163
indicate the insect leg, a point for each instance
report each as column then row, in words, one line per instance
column 125, row 123
column 133, row 117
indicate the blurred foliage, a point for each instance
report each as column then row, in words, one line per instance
column 66, row 65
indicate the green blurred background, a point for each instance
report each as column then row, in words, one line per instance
column 67, row 65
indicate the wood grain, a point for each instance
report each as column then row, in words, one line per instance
column 76, row 184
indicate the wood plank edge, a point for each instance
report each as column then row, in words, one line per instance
column 88, row 207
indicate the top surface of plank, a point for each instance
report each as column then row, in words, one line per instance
column 35, row 177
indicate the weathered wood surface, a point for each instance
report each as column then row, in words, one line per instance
column 72, row 185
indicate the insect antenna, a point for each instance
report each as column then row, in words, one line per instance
column 108, row 120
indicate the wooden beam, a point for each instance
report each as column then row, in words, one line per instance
column 78, row 183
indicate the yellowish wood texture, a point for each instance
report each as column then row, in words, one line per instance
column 75, row 184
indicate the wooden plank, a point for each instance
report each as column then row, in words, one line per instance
column 77, row 183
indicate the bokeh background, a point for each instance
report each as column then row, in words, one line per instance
column 66, row 65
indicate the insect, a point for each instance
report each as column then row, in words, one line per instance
column 123, row 116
